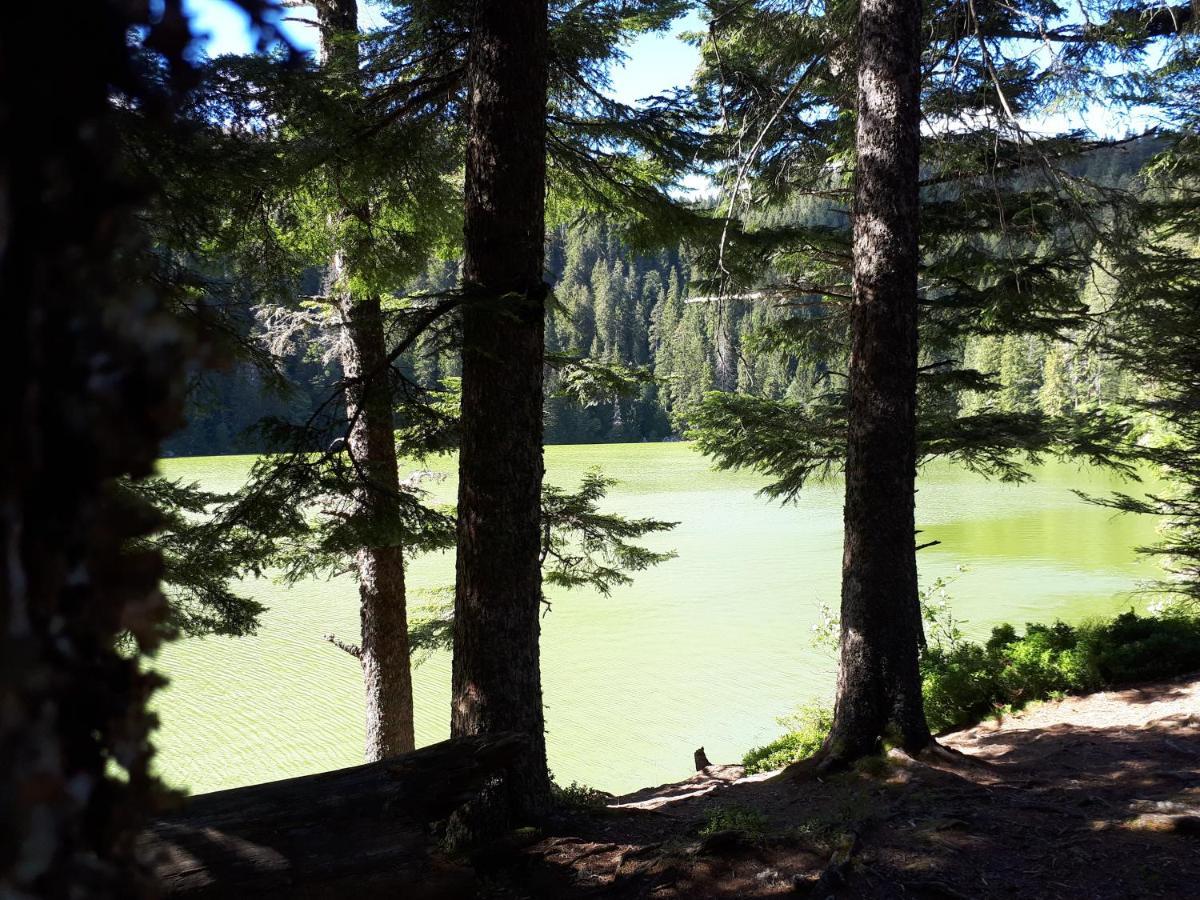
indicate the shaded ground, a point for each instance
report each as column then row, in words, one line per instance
column 1095, row 797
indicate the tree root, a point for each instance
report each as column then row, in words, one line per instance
column 934, row 753
column 825, row 762
column 836, row 872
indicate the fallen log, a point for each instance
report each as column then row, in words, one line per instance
column 359, row 831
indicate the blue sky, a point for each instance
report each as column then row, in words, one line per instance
column 655, row 62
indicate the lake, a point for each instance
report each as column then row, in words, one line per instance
column 707, row 649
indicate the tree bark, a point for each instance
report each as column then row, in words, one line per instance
column 384, row 656
column 384, row 651
column 356, row 832
column 496, row 671
column 879, row 687
column 94, row 379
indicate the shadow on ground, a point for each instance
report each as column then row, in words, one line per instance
column 1094, row 797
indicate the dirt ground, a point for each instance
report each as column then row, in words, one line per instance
column 1095, row 796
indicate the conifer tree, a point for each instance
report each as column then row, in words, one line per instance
column 998, row 261
column 371, row 445
column 515, row 66
column 1155, row 314
column 338, row 200
column 879, row 687
column 497, row 674
column 97, row 382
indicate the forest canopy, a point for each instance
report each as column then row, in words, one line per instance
column 431, row 237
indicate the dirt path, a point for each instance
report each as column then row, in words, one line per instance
column 1089, row 797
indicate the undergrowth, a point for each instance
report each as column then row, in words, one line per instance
column 807, row 728
column 964, row 682
column 749, row 823
column 579, row 797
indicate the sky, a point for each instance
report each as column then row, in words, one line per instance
column 655, row 62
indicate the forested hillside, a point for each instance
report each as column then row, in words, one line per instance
column 640, row 309
column 383, row 230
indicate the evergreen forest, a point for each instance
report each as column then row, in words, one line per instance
column 630, row 307
column 309, row 301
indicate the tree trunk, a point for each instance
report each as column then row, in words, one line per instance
column 384, row 651
column 357, row 832
column 93, row 381
column 497, row 678
column 386, row 666
column 879, row 687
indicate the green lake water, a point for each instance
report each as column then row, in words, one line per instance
column 706, row 649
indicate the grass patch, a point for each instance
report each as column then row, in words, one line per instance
column 749, row 823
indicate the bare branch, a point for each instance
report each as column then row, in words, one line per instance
column 353, row 649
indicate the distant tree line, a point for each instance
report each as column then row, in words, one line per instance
column 616, row 304
column 896, row 269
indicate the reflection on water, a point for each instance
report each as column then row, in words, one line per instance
column 708, row 648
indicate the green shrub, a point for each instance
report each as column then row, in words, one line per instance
column 1136, row 648
column 808, row 728
column 963, row 684
column 580, row 797
column 959, row 685
column 1044, row 661
column 1001, row 635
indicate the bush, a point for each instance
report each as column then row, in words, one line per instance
column 1136, row 648
column 580, row 797
column 963, row 684
column 959, row 685
column 809, row 727
column 1045, row 661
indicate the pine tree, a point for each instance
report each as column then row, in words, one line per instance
column 1052, row 395
column 496, row 671
column 97, row 382
column 383, row 652
column 1152, row 337
column 879, row 686
column 998, row 261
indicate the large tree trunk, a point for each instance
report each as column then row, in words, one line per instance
column 497, row 678
column 93, row 381
column 879, row 687
column 384, row 651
